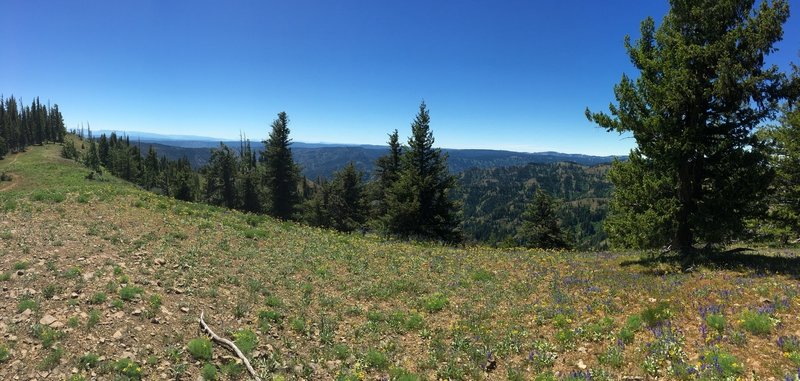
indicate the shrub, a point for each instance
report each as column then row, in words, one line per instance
column 266, row 318
column 376, row 359
column 94, row 318
column 298, row 325
column 27, row 303
column 128, row 368
column 716, row 321
column 653, row 316
column 5, row 353
column 209, row 372
column 200, row 348
column 98, row 298
column 52, row 359
column 49, row 291
column 613, row 356
column 89, row 360
column 47, row 335
column 128, row 293
column 435, row 302
column 722, row 365
column 246, row 340
column 757, row 323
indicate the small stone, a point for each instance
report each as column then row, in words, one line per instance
column 27, row 312
column 177, row 290
column 47, row 319
column 74, row 295
column 159, row 261
column 184, row 309
column 117, row 335
column 57, row 325
column 136, row 312
column 580, row 364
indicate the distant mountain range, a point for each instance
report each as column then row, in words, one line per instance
column 323, row 159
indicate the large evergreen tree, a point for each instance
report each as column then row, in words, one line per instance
column 387, row 169
column 347, row 209
column 220, row 173
column 697, row 170
column 281, row 173
column 419, row 203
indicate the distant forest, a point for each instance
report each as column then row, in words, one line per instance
column 410, row 192
column 22, row 126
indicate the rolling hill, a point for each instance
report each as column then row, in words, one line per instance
column 101, row 280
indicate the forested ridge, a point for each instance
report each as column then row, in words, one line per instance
column 24, row 125
column 495, row 199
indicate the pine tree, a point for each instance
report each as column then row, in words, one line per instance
column 346, row 205
column 281, row 173
column 784, row 212
column 317, row 209
column 220, row 176
column 387, row 169
column 91, row 159
column 151, row 168
column 540, row 226
column 697, row 170
column 419, row 203
column 103, row 149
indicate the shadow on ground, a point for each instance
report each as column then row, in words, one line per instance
column 780, row 262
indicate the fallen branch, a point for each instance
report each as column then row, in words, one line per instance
column 230, row 346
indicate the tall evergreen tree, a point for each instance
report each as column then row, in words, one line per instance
column 91, row 159
column 221, row 177
column 281, row 173
column 347, row 209
column 387, row 169
column 540, row 226
column 697, row 170
column 103, row 149
column 151, row 168
column 784, row 213
column 317, row 209
column 419, row 204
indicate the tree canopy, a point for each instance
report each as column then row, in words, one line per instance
column 698, row 170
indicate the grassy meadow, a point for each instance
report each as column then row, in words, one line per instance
column 101, row 280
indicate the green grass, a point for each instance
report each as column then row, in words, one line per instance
column 757, row 323
column 435, row 302
column 357, row 306
column 657, row 314
column 200, row 348
column 246, row 340
column 5, row 353
column 27, row 303
column 129, row 293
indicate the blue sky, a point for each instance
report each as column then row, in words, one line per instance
column 511, row 75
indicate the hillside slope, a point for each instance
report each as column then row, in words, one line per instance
column 97, row 272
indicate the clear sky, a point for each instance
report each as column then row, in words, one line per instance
column 511, row 74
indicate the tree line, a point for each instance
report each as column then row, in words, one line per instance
column 22, row 126
column 409, row 196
